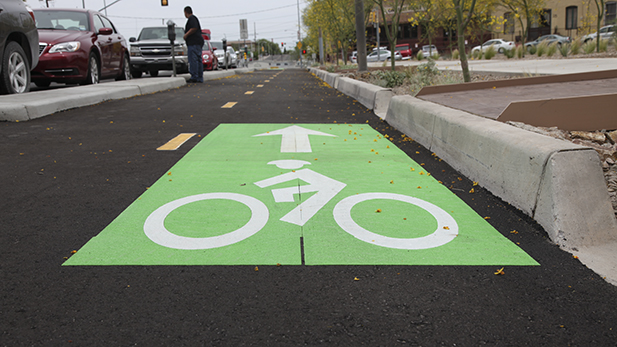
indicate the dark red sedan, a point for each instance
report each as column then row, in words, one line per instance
column 78, row 46
column 210, row 61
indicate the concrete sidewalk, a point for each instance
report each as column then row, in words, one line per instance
column 529, row 67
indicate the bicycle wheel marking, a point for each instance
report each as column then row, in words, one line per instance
column 156, row 231
column 446, row 231
column 302, row 182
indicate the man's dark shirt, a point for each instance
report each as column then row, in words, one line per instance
column 195, row 38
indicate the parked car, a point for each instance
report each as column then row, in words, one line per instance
column 221, row 52
column 78, row 46
column 605, row 33
column 405, row 50
column 429, row 50
column 233, row 57
column 549, row 39
column 19, row 41
column 209, row 58
column 382, row 55
column 499, row 44
column 151, row 52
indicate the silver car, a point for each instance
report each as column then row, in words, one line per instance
column 383, row 55
column 605, row 33
column 221, row 52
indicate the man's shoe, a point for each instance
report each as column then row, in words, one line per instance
column 191, row 81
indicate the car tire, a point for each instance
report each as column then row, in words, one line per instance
column 125, row 72
column 154, row 73
column 501, row 50
column 15, row 77
column 42, row 84
column 136, row 74
column 94, row 72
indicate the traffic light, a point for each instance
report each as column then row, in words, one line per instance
column 282, row 44
column 164, row 3
column 304, row 51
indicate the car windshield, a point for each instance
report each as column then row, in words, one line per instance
column 159, row 33
column 402, row 48
column 62, row 20
column 217, row 44
column 206, row 46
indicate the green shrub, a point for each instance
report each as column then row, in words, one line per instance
column 520, row 51
column 552, row 49
column 490, row 52
column 564, row 49
column 575, row 47
column 541, row 48
column 532, row 50
column 420, row 55
column 435, row 56
column 603, row 45
column 509, row 53
column 427, row 72
column 475, row 54
column 392, row 78
column 589, row 46
column 455, row 54
column 330, row 68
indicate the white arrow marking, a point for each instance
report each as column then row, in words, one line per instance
column 295, row 138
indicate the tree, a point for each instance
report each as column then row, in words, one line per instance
column 464, row 14
column 392, row 29
column 524, row 10
column 600, row 6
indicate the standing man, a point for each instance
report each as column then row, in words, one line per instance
column 194, row 42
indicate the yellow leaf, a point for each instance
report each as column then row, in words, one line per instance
column 378, row 210
column 500, row 272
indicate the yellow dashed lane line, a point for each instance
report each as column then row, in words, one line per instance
column 176, row 142
column 229, row 105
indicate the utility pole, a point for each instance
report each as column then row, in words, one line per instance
column 299, row 31
column 360, row 36
column 105, row 4
column 321, row 57
column 83, row 3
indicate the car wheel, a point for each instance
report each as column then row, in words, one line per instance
column 154, row 73
column 125, row 74
column 136, row 74
column 42, row 84
column 15, row 78
column 93, row 70
column 501, row 50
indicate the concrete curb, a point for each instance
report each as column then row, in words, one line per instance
column 29, row 106
column 372, row 97
column 557, row 183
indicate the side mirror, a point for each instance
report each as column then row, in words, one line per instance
column 106, row 31
column 132, row 39
column 214, row 48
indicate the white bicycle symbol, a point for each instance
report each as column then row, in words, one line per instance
column 325, row 189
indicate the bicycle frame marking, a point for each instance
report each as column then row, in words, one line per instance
column 241, row 199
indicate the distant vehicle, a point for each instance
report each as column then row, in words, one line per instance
column 549, row 39
column 500, row 45
column 78, row 46
column 151, row 52
column 19, row 46
column 221, row 53
column 210, row 61
column 605, row 33
column 233, row 57
column 429, row 50
column 405, row 50
column 382, row 55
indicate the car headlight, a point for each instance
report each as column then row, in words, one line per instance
column 181, row 50
column 65, row 47
column 135, row 51
column 206, row 57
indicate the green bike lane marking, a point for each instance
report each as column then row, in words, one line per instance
column 241, row 199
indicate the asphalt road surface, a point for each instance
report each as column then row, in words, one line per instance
column 67, row 176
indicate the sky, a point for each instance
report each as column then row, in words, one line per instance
column 275, row 20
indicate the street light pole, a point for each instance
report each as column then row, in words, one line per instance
column 299, row 32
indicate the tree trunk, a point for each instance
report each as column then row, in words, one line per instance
column 360, row 37
column 461, row 42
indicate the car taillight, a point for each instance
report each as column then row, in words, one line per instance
column 31, row 12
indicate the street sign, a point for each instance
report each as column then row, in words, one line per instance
column 244, row 29
column 299, row 44
column 314, row 194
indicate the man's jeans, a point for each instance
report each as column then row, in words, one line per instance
column 196, row 67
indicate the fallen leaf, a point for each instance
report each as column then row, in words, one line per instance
column 500, row 272
column 256, row 268
column 378, row 210
column 356, row 279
